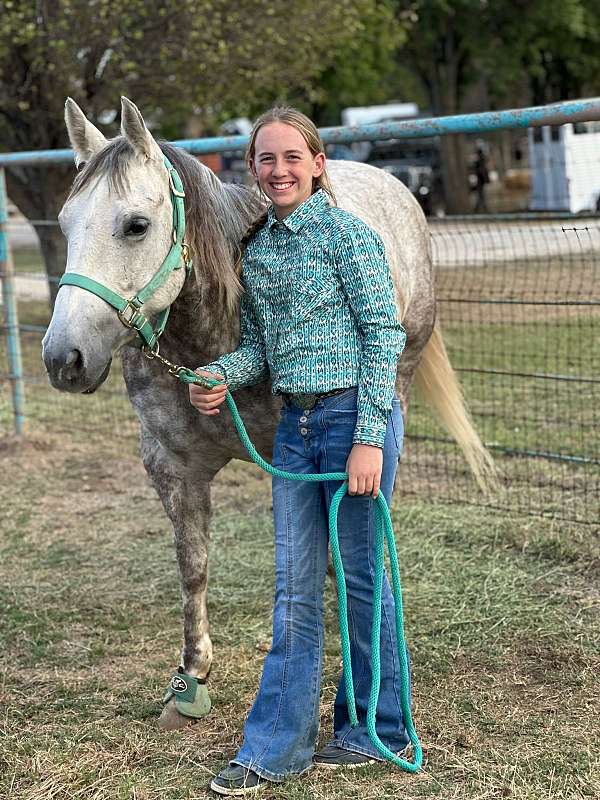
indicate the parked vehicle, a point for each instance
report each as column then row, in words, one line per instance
column 415, row 162
column 233, row 165
column 565, row 168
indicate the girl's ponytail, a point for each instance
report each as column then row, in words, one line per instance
column 254, row 228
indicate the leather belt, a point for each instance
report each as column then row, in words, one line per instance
column 308, row 401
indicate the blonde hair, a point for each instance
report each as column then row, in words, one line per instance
column 296, row 119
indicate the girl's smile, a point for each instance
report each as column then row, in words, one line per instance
column 284, row 166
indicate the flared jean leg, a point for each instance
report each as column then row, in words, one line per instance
column 281, row 730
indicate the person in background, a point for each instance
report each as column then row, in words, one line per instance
column 482, row 178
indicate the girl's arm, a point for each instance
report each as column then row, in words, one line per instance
column 366, row 278
column 247, row 364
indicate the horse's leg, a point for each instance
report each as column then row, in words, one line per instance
column 185, row 493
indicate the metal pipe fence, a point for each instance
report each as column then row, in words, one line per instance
column 569, row 111
column 519, row 305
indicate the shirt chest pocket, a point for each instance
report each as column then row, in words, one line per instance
column 309, row 296
column 312, row 298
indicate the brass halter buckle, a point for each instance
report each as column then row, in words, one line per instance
column 132, row 310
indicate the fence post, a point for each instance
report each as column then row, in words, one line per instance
column 11, row 319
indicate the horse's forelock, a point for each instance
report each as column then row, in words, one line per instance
column 112, row 161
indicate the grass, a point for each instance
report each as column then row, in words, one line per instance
column 27, row 259
column 516, row 411
column 519, row 413
column 501, row 616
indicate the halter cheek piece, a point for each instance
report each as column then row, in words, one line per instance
column 129, row 311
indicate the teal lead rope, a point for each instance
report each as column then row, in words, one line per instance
column 383, row 530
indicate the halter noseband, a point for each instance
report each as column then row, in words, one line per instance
column 129, row 311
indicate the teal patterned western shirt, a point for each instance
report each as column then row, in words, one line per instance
column 318, row 312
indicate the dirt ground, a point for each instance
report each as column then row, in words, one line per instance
column 501, row 615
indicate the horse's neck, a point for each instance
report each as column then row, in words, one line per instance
column 200, row 329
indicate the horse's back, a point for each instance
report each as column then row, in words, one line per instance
column 387, row 206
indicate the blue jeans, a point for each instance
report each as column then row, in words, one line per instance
column 281, row 730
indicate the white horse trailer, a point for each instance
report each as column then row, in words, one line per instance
column 565, row 167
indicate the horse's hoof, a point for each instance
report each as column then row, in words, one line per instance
column 171, row 719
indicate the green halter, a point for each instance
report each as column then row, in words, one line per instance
column 129, row 311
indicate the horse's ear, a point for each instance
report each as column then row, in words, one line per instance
column 135, row 131
column 86, row 140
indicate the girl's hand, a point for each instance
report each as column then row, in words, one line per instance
column 207, row 400
column 364, row 466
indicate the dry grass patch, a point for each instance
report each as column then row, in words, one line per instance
column 502, row 617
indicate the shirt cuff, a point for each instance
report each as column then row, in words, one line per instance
column 368, row 434
column 215, row 366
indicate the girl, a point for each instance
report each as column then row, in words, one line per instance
column 318, row 316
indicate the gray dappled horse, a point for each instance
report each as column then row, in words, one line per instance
column 119, row 224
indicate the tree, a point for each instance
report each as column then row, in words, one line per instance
column 556, row 45
column 549, row 48
column 440, row 50
column 212, row 58
column 365, row 72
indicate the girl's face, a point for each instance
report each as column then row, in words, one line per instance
column 284, row 166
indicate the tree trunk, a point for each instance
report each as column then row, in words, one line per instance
column 39, row 193
column 455, row 174
column 444, row 86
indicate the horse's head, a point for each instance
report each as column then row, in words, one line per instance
column 118, row 221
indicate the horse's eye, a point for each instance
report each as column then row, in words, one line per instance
column 136, row 226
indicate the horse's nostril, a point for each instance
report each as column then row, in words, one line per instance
column 74, row 359
column 73, row 365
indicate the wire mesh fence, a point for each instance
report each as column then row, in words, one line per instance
column 519, row 306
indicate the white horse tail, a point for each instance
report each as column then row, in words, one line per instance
column 438, row 385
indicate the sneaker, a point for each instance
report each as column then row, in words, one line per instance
column 236, row 781
column 333, row 756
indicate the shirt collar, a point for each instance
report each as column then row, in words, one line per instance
column 310, row 208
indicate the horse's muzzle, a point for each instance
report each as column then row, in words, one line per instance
column 68, row 371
